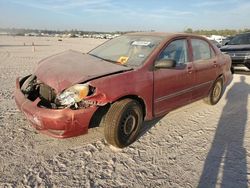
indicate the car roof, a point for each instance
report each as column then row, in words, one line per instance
column 248, row 33
column 162, row 34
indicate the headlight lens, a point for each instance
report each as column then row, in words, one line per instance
column 73, row 95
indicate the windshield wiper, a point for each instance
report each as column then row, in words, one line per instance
column 109, row 60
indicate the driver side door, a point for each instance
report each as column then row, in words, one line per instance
column 173, row 86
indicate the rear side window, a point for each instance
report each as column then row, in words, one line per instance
column 201, row 50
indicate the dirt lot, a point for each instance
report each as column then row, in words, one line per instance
column 197, row 145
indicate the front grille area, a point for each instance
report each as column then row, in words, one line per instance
column 47, row 96
column 236, row 62
column 239, row 54
column 47, row 93
column 32, row 88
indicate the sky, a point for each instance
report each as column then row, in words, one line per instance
column 125, row 15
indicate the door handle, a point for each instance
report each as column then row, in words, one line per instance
column 189, row 69
column 215, row 64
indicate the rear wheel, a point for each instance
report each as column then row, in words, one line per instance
column 216, row 92
column 122, row 123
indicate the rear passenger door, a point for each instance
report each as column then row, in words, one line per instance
column 205, row 65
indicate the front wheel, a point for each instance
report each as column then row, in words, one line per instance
column 216, row 92
column 122, row 123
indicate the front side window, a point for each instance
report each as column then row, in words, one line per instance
column 177, row 51
column 201, row 50
column 127, row 50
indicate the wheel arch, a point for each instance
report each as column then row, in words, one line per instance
column 209, row 99
column 97, row 117
column 222, row 76
column 138, row 99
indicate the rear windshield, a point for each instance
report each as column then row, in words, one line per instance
column 127, row 50
column 240, row 39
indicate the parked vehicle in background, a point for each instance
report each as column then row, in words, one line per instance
column 226, row 40
column 239, row 50
column 121, row 83
column 217, row 38
column 217, row 44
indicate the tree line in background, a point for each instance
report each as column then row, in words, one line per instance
column 21, row 32
column 222, row 32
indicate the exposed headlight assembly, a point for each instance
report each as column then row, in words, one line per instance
column 73, row 95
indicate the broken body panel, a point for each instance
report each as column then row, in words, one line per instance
column 71, row 67
column 60, row 123
column 66, row 122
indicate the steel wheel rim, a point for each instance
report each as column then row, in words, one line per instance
column 129, row 124
column 217, row 91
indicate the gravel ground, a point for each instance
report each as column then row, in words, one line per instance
column 195, row 146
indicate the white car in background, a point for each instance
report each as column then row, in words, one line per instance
column 217, row 38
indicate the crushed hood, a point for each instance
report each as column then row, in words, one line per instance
column 71, row 67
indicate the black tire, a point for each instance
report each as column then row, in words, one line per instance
column 122, row 123
column 99, row 116
column 248, row 64
column 232, row 69
column 215, row 93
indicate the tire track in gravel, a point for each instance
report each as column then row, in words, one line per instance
column 148, row 152
column 168, row 148
column 4, row 55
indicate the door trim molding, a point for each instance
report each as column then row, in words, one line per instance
column 166, row 97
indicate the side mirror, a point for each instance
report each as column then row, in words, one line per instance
column 165, row 64
column 226, row 43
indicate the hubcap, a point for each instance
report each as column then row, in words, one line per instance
column 129, row 124
column 217, row 91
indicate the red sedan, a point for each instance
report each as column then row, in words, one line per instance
column 121, row 83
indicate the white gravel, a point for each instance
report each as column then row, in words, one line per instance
column 197, row 145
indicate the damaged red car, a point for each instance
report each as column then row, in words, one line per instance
column 121, row 83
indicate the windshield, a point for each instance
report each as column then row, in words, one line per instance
column 127, row 50
column 240, row 39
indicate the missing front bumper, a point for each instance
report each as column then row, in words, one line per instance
column 59, row 123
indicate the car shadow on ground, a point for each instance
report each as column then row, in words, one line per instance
column 147, row 125
column 226, row 160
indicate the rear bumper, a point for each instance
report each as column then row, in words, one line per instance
column 237, row 62
column 59, row 123
column 228, row 78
